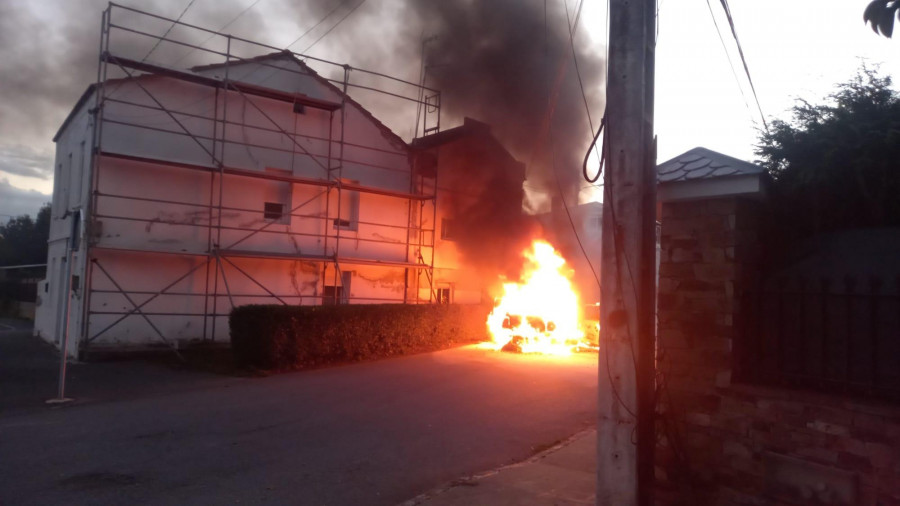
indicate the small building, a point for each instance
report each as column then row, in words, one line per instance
column 182, row 194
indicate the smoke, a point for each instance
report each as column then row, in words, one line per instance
column 510, row 64
column 50, row 56
column 505, row 62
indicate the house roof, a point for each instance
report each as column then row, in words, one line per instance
column 469, row 128
column 279, row 55
column 702, row 163
column 703, row 173
column 290, row 56
column 88, row 93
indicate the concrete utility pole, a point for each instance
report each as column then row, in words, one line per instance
column 625, row 433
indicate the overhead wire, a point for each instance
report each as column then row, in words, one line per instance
column 728, row 56
column 347, row 15
column 551, row 106
column 313, row 27
column 307, row 48
column 159, row 40
column 587, row 108
column 743, row 60
column 223, row 27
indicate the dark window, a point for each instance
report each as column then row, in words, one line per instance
column 448, row 229
column 348, row 211
column 273, row 211
column 331, row 295
column 443, row 295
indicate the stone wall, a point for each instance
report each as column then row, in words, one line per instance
column 724, row 442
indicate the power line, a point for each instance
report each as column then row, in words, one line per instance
column 587, row 109
column 334, row 26
column 743, row 60
column 313, row 27
column 728, row 56
column 326, row 16
column 572, row 29
column 159, row 40
column 226, row 25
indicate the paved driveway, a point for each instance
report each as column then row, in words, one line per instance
column 375, row 433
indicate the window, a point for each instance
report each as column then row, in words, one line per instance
column 348, row 217
column 448, row 229
column 277, row 197
column 443, row 295
column 332, row 295
column 274, row 211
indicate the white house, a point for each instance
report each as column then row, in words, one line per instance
column 181, row 194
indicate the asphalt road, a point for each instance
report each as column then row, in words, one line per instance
column 375, row 433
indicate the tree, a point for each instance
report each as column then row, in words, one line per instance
column 837, row 165
column 23, row 240
column 880, row 14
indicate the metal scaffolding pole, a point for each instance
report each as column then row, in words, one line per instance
column 215, row 147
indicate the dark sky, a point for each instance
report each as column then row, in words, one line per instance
column 48, row 56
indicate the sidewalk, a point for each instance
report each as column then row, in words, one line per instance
column 564, row 475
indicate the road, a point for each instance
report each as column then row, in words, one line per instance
column 374, row 433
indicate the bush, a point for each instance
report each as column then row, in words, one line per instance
column 296, row 337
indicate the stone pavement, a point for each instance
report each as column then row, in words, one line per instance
column 564, row 475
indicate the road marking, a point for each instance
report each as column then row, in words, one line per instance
column 10, row 327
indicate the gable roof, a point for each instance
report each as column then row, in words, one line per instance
column 702, row 163
column 290, row 56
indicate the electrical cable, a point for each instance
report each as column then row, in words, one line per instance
column 587, row 154
column 159, row 40
column 587, row 108
column 728, row 56
column 351, row 11
column 226, row 25
column 743, row 60
column 551, row 107
column 313, row 27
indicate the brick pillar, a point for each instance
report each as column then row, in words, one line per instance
column 709, row 254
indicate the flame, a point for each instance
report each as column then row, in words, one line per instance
column 540, row 314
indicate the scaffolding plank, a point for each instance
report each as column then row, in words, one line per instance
column 318, row 258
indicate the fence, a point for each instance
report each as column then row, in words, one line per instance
column 837, row 335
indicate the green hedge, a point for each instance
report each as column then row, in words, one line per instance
column 296, row 337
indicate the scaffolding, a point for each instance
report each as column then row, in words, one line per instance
column 123, row 29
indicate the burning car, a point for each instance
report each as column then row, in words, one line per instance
column 541, row 313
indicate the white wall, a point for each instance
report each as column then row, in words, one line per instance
column 128, row 215
column 130, row 220
column 70, row 193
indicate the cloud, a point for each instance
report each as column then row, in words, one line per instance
column 22, row 160
column 50, row 52
column 16, row 201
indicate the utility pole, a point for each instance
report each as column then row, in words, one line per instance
column 625, row 432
